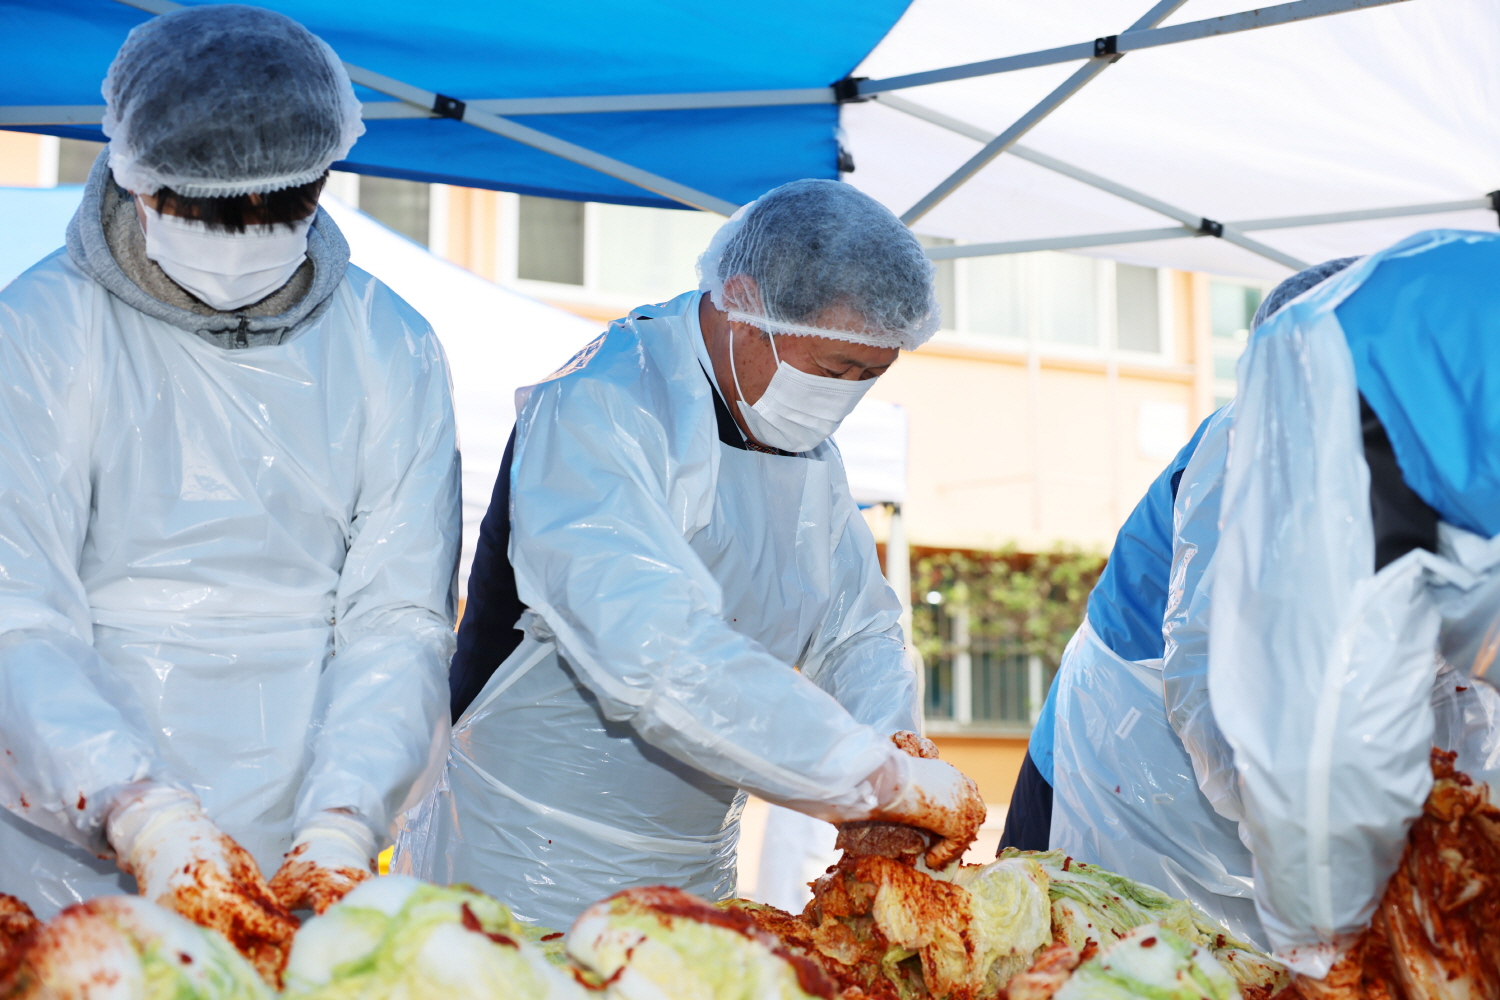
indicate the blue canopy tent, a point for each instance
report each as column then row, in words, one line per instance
column 54, row 53
column 678, row 103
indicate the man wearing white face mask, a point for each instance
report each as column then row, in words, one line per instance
column 230, row 523
column 702, row 607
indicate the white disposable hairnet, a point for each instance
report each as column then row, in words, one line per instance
column 827, row 261
column 226, row 100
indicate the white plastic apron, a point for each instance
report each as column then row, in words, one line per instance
column 235, row 697
column 1125, row 796
column 549, row 806
column 174, row 570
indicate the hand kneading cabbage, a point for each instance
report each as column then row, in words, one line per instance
column 127, row 948
column 396, row 937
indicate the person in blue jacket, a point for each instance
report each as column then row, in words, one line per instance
column 1111, row 683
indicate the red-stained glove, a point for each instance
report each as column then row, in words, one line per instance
column 916, row 792
column 182, row 861
column 331, row 855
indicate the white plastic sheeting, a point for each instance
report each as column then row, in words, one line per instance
column 1370, row 109
column 872, row 441
column 496, row 341
column 1126, row 796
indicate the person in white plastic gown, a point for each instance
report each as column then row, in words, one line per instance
column 704, row 613
column 230, row 522
column 1112, row 774
column 1355, row 593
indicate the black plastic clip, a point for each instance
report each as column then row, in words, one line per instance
column 845, row 160
column 448, row 107
column 1494, row 197
column 1208, row 227
column 846, row 91
column 1109, row 45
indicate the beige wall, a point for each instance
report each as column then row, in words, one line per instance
column 1032, row 449
column 992, row 761
column 24, row 158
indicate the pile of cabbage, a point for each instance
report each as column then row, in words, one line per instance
column 1028, row 926
column 1037, row 926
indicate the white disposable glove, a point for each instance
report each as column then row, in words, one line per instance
column 932, row 795
column 332, row 854
column 182, row 861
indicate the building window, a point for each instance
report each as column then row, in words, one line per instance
column 945, row 279
column 404, row 206
column 1137, row 308
column 75, row 158
column 1061, row 299
column 648, row 254
column 1231, row 309
column 995, row 296
column 550, row 241
column 1067, row 290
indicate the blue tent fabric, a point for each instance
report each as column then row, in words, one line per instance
column 1423, row 333
column 55, row 52
column 1129, row 602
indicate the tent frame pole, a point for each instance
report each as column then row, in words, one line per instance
column 1196, row 225
column 1191, row 225
column 1487, row 203
column 1130, row 41
column 1083, row 76
column 449, row 107
column 1133, row 39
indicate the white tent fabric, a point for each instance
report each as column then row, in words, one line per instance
column 872, row 441
column 1368, row 109
column 497, row 340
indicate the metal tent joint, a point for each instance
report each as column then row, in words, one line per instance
column 846, row 91
column 1109, row 45
column 448, row 107
column 1211, row 227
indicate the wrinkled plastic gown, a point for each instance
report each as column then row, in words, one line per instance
column 188, row 536
column 1127, row 795
column 673, row 581
column 1324, row 676
column 1195, row 537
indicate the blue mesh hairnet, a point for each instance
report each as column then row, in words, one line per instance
column 226, row 100
column 1296, row 285
column 827, row 261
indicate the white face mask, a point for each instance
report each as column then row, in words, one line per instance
column 798, row 411
column 226, row 270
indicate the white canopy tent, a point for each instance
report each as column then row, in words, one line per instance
column 1374, row 111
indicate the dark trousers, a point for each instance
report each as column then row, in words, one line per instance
column 1029, row 821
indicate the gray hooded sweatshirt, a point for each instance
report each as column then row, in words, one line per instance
column 106, row 242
